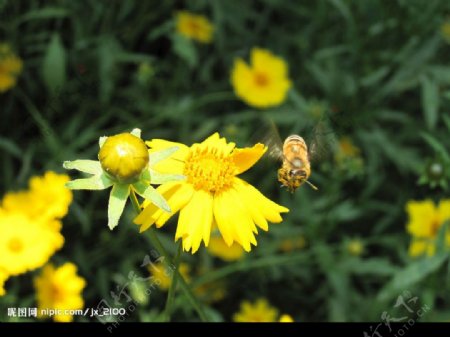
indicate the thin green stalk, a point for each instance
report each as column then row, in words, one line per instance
column 168, row 261
column 173, row 286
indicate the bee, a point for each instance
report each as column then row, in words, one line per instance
column 296, row 167
column 294, row 156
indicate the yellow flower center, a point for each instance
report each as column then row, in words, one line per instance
column 209, row 170
column 261, row 79
column 57, row 293
column 15, row 245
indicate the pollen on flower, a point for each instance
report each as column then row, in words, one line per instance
column 209, row 169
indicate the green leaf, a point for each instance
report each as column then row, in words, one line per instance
column 430, row 102
column 157, row 156
column 54, row 64
column 86, row 166
column 117, row 200
column 93, row 183
column 44, row 13
column 412, row 274
column 185, row 49
column 436, row 145
column 149, row 193
column 372, row 266
column 160, row 178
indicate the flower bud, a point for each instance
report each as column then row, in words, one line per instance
column 124, row 157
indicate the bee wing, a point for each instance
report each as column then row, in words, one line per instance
column 322, row 140
column 268, row 135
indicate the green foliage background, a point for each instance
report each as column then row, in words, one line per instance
column 378, row 70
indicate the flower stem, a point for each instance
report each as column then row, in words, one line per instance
column 173, row 287
column 168, row 261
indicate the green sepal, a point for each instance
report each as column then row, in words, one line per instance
column 117, row 200
column 86, row 166
column 152, row 195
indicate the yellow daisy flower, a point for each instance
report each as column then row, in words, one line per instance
column 425, row 220
column 25, row 244
column 162, row 275
column 10, row 68
column 212, row 194
column 3, row 277
column 59, row 288
column 264, row 83
column 260, row 311
column 48, row 197
column 217, row 247
column 195, row 27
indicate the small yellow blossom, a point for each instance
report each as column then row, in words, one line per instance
column 260, row 311
column 290, row 244
column 355, row 247
column 211, row 194
column 217, row 247
column 162, row 275
column 264, row 83
column 25, row 244
column 425, row 220
column 10, row 68
column 59, row 288
column 445, row 30
column 286, row 319
column 195, row 27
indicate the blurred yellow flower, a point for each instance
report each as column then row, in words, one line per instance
column 25, row 243
column 355, row 247
column 217, row 247
column 211, row 194
column 286, row 319
column 195, row 27
column 290, row 244
column 3, row 277
column 425, row 220
column 211, row 292
column 264, row 83
column 47, row 198
column 162, row 275
column 445, row 30
column 10, row 68
column 260, row 311
column 59, row 288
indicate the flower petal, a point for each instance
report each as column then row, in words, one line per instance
column 247, row 157
column 161, row 144
column 194, row 224
column 233, row 219
column 117, row 200
column 176, row 201
column 257, row 202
